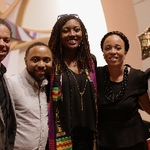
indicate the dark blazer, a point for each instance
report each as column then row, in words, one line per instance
column 7, row 135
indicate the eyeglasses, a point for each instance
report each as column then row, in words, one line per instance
column 63, row 15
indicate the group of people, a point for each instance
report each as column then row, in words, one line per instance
column 63, row 101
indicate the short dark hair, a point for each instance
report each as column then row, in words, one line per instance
column 120, row 34
column 33, row 45
column 5, row 23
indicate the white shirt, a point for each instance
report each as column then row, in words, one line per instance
column 31, row 109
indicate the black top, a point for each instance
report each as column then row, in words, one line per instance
column 120, row 124
column 75, row 116
column 69, row 107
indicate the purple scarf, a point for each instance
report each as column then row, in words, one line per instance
column 51, row 134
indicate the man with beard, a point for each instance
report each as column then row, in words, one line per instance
column 28, row 90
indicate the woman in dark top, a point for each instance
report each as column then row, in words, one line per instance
column 74, row 86
column 122, row 90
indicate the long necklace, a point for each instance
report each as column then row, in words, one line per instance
column 109, row 95
column 81, row 93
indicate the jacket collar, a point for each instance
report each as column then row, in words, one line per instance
column 2, row 69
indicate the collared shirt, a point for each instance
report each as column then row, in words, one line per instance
column 31, row 111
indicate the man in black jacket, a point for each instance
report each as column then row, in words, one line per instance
column 7, row 115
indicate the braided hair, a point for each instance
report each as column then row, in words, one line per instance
column 55, row 45
column 120, row 34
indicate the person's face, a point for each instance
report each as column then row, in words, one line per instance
column 39, row 62
column 71, row 34
column 114, row 50
column 5, row 41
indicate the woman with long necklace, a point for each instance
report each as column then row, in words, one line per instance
column 73, row 98
column 122, row 90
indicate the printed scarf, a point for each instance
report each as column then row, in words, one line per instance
column 65, row 143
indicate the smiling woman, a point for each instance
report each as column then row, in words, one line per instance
column 74, row 86
column 120, row 90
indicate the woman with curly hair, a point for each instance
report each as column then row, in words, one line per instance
column 73, row 95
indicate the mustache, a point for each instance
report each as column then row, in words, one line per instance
column 40, row 69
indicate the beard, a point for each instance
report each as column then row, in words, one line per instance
column 37, row 77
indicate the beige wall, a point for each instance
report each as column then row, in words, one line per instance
column 120, row 15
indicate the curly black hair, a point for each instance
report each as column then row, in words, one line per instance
column 55, row 44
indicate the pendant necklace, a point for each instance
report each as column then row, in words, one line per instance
column 81, row 93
